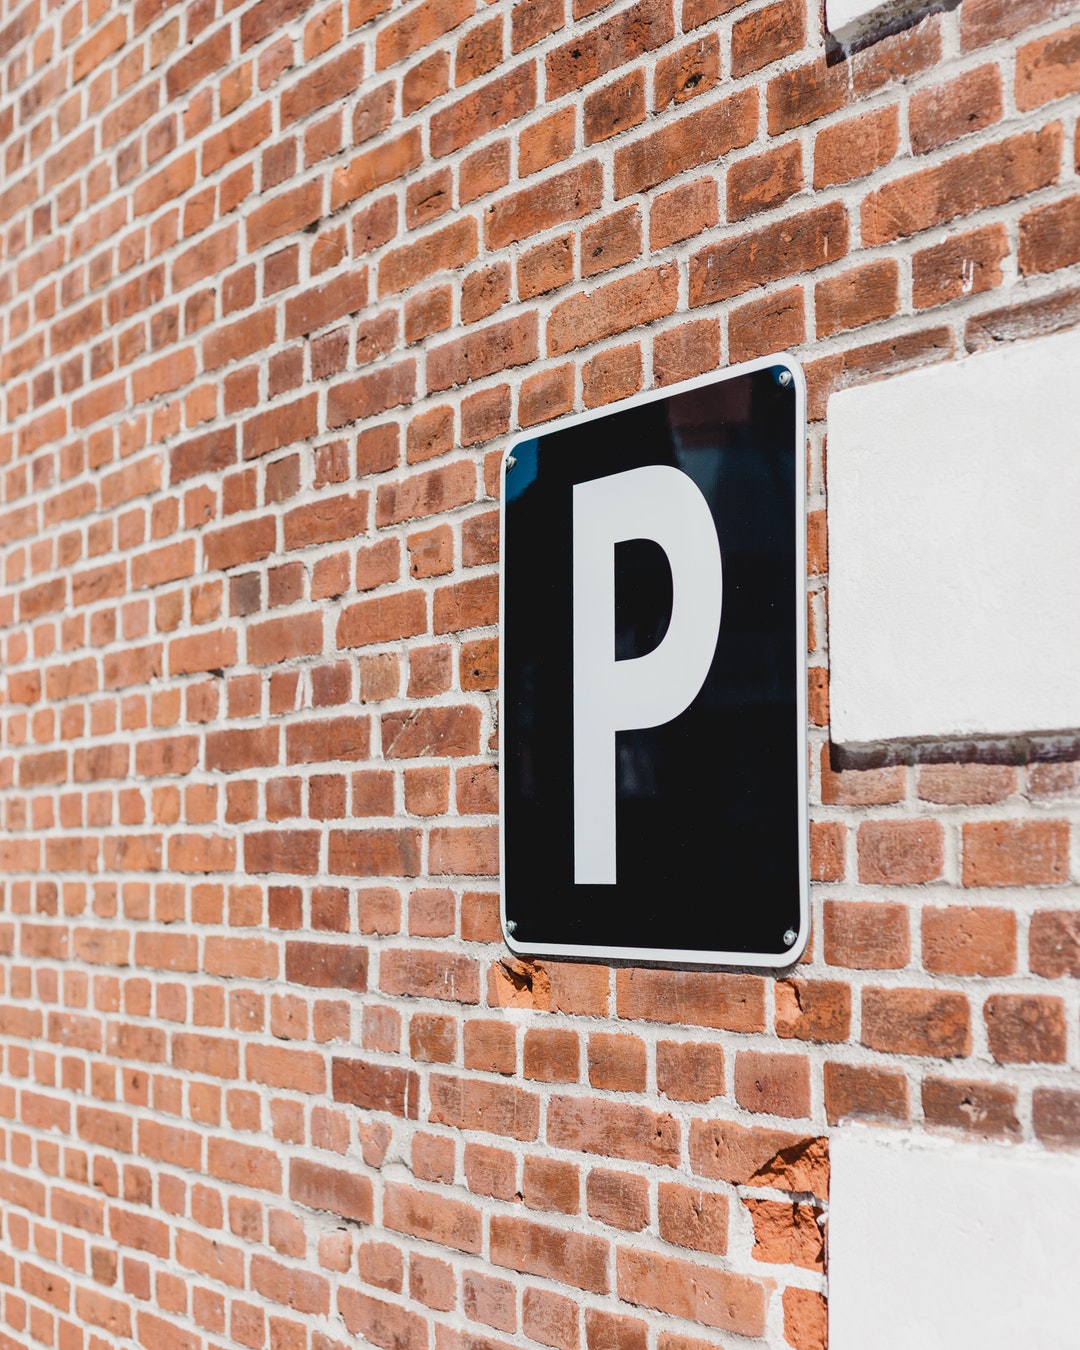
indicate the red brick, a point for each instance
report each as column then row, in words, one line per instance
column 943, row 113
column 577, row 1259
column 984, row 1109
column 729, row 1302
column 689, row 1070
column 514, row 342
column 774, row 1084
column 961, row 940
column 330, row 83
column 617, row 1063
column 546, row 395
column 1054, row 782
column 550, row 1184
column 546, row 142
column 531, row 22
column 829, row 373
column 764, row 181
column 376, row 1087
column 473, row 1104
column 551, row 1319
column 614, row 43
column 284, row 214
column 863, row 1092
column 776, row 323
column 468, row 604
column 799, row 244
column 493, row 105
column 490, row 1171
column 370, row 170
column 426, row 494
column 430, row 974
column 1054, row 943
column 727, row 1002
column 805, row 1319
column 551, row 1055
column 1048, row 69
column 813, row 1010
column 1056, row 1116
column 374, row 853
column 691, row 349
column 1029, row 318
column 607, row 310
column 687, row 72
column 900, row 852
column 692, row 1218
column 987, row 177
column 612, row 375
column 615, row 108
column 444, row 250
column 863, row 295
column 281, row 639
column 618, row 1199
column 613, row 1130
column 682, row 212
column 1048, row 237
column 369, row 395
column 438, row 1218
column 611, row 241
column 916, row 1022
column 566, row 196
column 423, row 24
column 786, row 1234
column 799, row 96
column 966, row 264
column 700, row 138
column 468, row 851
column 765, row 36
column 1016, row 853
column 379, row 1323
column 985, row 21
column 1026, row 1029
column 855, row 148
column 325, row 965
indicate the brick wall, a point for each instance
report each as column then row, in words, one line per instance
column 277, row 280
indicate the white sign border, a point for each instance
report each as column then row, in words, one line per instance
column 669, row 956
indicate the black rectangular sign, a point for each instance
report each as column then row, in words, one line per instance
column 653, row 680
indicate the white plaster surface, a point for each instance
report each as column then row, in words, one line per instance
column 954, row 548
column 948, row 1245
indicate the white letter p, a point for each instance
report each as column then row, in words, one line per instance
column 660, row 503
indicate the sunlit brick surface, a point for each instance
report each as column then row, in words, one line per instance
column 277, row 282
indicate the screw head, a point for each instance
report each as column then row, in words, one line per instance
column 784, row 378
column 789, row 937
column 511, row 926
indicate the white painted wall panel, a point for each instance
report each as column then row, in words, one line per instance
column 945, row 1245
column 954, row 548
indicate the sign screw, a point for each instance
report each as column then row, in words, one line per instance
column 789, row 937
column 784, row 379
column 511, row 926
column 510, row 462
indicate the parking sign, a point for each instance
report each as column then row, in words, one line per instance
column 653, row 677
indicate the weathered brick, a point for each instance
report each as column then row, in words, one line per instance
column 696, row 139
column 987, row 177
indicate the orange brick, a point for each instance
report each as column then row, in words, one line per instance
column 1015, row 853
